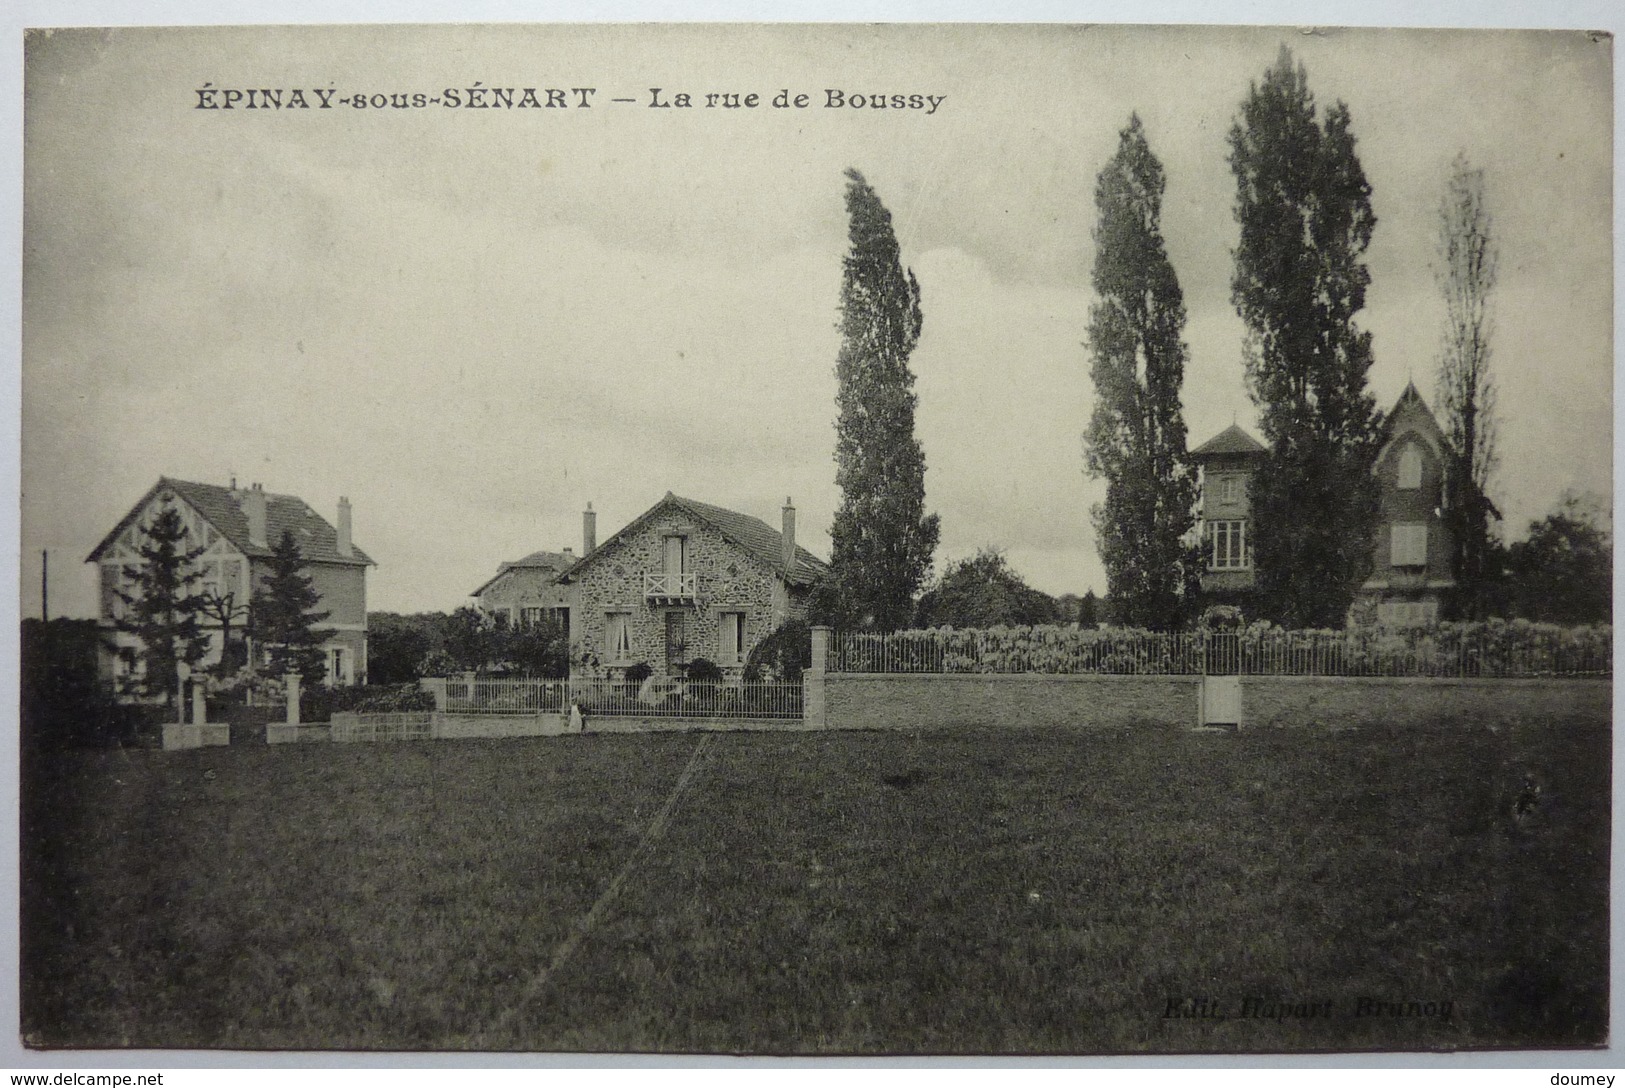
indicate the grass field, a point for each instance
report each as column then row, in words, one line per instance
column 993, row 892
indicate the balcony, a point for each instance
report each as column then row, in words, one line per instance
column 669, row 587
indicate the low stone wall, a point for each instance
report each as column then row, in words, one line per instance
column 1363, row 702
column 354, row 728
column 207, row 735
column 467, row 726
column 630, row 724
column 930, row 701
column 283, row 733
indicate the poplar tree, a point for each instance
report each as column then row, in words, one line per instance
column 1136, row 435
column 882, row 538
column 1466, row 389
column 1304, row 208
column 162, row 608
column 284, row 614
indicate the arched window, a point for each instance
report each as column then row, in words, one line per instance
column 1410, row 467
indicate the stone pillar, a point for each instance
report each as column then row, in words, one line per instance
column 814, row 710
column 435, row 685
column 292, row 680
column 200, row 707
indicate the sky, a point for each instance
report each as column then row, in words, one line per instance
column 474, row 322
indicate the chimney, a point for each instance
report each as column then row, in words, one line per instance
column 789, row 538
column 344, row 547
column 253, row 504
column 589, row 531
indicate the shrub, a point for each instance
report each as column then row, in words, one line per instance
column 703, row 671
column 783, row 655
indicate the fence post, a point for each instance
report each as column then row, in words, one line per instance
column 292, row 681
column 813, row 712
column 436, row 686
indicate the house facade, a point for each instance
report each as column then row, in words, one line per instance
column 685, row 581
column 528, row 591
column 1227, row 462
column 237, row 529
column 1411, row 542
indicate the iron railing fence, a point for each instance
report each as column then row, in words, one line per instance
column 658, row 698
column 655, row 698
column 1465, row 650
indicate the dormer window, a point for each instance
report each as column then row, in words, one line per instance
column 1410, row 467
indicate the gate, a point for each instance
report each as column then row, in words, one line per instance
column 1221, row 679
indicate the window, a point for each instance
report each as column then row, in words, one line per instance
column 675, row 555
column 532, row 616
column 112, row 582
column 1227, row 489
column 1407, row 613
column 338, row 667
column 1410, row 467
column 731, row 638
column 1408, row 545
column 500, row 618
column 618, row 636
column 1228, row 545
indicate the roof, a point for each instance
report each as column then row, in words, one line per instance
column 1231, row 440
column 221, row 508
column 556, row 562
column 751, row 535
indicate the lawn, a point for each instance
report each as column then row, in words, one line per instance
column 1001, row 891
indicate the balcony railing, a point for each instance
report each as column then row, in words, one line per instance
column 671, row 585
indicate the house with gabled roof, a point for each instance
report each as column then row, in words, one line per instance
column 684, row 581
column 1227, row 461
column 237, row 529
column 528, row 592
column 1412, row 542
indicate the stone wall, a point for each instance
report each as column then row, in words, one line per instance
column 1366, row 702
column 863, row 701
column 729, row 580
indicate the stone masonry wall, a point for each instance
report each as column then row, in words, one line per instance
column 854, row 701
column 1349, row 702
column 729, row 581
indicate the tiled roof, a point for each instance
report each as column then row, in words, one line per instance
column 751, row 535
column 556, row 562
column 1230, row 440
column 318, row 540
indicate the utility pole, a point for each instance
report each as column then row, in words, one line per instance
column 45, row 585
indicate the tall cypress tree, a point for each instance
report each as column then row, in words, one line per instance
column 163, row 609
column 1136, row 435
column 1304, row 208
column 1468, row 258
column 284, row 614
column 882, row 538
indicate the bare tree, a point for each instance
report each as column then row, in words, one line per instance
column 1466, row 389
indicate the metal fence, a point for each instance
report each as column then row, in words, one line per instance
column 1493, row 649
column 655, row 698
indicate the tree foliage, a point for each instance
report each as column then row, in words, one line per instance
column 983, row 591
column 284, row 614
column 1304, row 209
column 163, row 610
column 882, row 538
column 398, row 645
column 1564, row 571
column 468, row 640
column 1136, row 435
column 783, row 655
column 1466, row 389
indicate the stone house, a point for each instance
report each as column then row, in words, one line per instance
column 684, row 581
column 525, row 592
column 237, row 528
column 1411, row 542
column 1227, row 461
